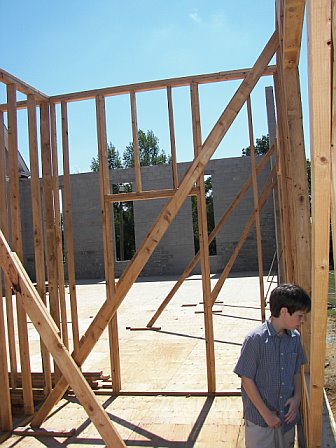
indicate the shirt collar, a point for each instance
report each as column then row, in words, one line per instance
column 271, row 330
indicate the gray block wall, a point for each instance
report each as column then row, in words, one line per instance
column 176, row 249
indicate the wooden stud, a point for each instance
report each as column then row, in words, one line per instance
column 108, row 240
column 272, row 132
column 68, row 227
column 204, row 244
column 6, row 421
column 319, row 77
column 172, row 136
column 47, row 329
column 58, row 232
column 282, row 144
column 5, row 230
column 17, row 244
column 136, row 151
column 38, row 227
column 333, row 137
column 49, row 216
column 108, row 309
column 257, row 215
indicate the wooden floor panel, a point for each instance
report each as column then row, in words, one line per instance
column 169, row 360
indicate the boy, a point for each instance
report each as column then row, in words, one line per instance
column 269, row 367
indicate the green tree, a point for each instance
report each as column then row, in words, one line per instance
column 261, row 147
column 113, row 159
column 149, row 151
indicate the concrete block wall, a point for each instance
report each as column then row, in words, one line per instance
column 176, row 249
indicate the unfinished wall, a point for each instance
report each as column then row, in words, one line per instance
column 177, row 246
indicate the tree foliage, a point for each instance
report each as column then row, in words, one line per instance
column 113, row 159
column 149, row 151
column 261, row 147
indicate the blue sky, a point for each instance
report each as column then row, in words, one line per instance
column 73, row 45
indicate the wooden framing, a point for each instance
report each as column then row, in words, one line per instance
column 303, row 263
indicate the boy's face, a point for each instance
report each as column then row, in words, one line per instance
column 292, row 321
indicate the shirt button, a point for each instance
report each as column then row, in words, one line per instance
column 280, row 396
column 283, row 384
column 282, row 368
column 281, row 354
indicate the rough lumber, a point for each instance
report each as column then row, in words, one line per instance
column 167, row 215
column 38, row 226
column 319, row 71
column 107, row 224
column 257, row 211
column 172, row 136
column 292, row 31
column 58, row 231
column 68, row 227
column 4, row 227
column 204, row 244
column 48, row 331
column 15, row 217
column 23, row 87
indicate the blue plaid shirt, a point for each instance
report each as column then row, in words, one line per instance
column 271, row 361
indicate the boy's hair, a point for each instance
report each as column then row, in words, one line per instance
column 292, row 297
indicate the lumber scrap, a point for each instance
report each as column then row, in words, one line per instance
column 43, row 432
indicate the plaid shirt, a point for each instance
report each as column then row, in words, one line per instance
column 271, row 361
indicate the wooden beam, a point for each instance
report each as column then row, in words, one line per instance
column 6, row 421
column 17, row 243
column 145, row 195
column 165, row 218
column 257, row 211
column 48, row 331
column 107, row 222
column 49, row 215
column 58, row 232
column 319, row 77
column 203, row 244
column 293, row 11
column 5, row 230
column 38, row 227
column 172, row 136
column 160, row 84
column 148, row 86
column 67, row 203
column 22, row 86
column 136, row 151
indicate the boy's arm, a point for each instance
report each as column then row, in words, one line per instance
column 294, row 401
column 271, row 419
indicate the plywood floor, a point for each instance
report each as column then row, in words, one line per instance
column 165, row 361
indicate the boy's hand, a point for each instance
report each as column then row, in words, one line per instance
column 293, row 404
column 272, row 420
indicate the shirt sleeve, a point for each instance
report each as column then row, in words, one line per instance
column 248, row 360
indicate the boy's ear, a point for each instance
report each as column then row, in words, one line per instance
column 283, row 311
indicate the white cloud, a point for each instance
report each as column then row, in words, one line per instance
column 194, row 16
